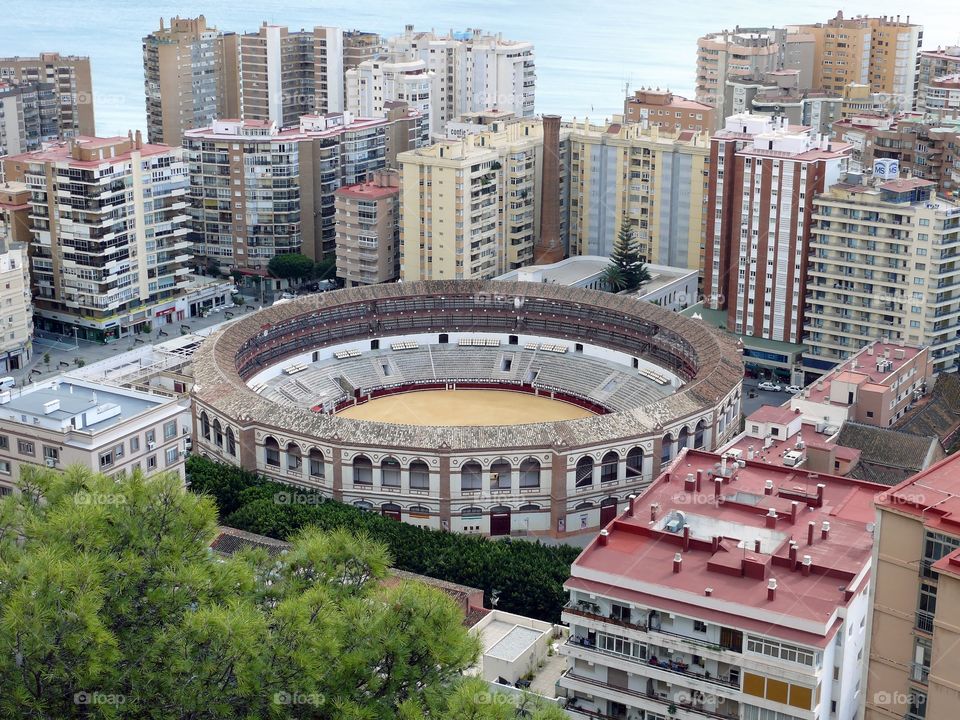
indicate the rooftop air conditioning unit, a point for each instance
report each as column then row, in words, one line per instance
column 151, row 445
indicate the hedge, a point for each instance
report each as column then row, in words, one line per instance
column 528, row 575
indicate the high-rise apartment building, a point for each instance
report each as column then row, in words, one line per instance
column 258, row 190
column 661, row 108
column 368, row 230
column 15, row 211
column 186, row 67
column 376, row 83
column 729, row 590
column 109, row 223
column 284, row 75
column 763, row 178
column 407, row 129
column 882, row 266
column 474, row 71
column 16, row 308
column 359, row 46
column 655, row 177
column 780, row 93
column 66, row 79
column 741, row 53
column 914, row 668
column 937, row 63
column 14, row 106
column 880, row 52
column 471, row 208
column 941, row 97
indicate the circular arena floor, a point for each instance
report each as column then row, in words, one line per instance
column 464, row 407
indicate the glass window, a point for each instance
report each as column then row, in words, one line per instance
column 25, row 447
column 170, row 430
column 172, row 456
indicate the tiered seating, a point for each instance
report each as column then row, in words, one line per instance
column 655, row 376
column 405, row 345
column 294, row 369
column 547, row 347
column 344, row 354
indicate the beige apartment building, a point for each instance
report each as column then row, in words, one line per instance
column 368, row 230
column 258, row 190
column 16, row 308
column 67, row 77
column 113, row 430
column 663, row 109
column 15, row 211
column 190, row 78
column 109, row 248
column 877, row 51
column 656, row 177
column 471, row 208
column 883, row 265
column 914, row 662
column 284, row 74
column 937, row 63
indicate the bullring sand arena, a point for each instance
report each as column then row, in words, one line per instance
column 464, row 407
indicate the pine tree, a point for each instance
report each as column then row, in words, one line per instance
column 627, row 270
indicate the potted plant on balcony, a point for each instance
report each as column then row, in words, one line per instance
column 672, row 709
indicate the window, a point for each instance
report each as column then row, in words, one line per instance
column 4, row 442
column 51, row 453
column 318, row 468
column 272, row 452
column 151, row 437
column 609, row 467
column 106, row 459
column 170, row 430
column 584, row 475
column 4, row 467
column 471, row 477
column 134, row 444
column 25, row 447
column 152, row 462
column 635, row 463
column 118, row 451
column 784, row 651
column 618, row 645
column 419, row 475
column 204, row 426
column 172, row 455
column 699, row 626
column 362, row 470
column 231, row 442
column 294, row 458
column 530, row 473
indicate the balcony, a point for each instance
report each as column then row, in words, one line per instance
column 663, row 704
column 924, row 621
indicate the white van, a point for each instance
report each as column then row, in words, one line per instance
column 7, row 382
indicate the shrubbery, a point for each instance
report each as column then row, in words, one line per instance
column 529, row 576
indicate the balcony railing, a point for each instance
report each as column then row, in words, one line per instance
column 690, row 707
column 924, row 621
column 655, row 663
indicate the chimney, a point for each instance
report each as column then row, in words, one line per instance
column 768, row 487
column 756, row 545
column 548, row 248
column 630, row 508
column 772, row 518
column 825, row 530
column 715, row 543
column 653, row 511
column 717, row 486
column 708, row 591
column 794, row 510
column 810, row 527
column 604, row 537
column 772, row 589
column 723, row 466
column 686, row 538
column 807, row 563
column 690, row 484
column 820, row 487
column 793, row 555
column 699, row 479
column 137, row 140
column 677, row 560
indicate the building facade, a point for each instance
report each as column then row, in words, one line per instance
column 663, row 109
column 109, row 250
column 368, row 230
column 763, row 177
column 65, row 421
column 259, row 191
column 730, row 590
column 941, row 97
column 881, row 267
column 913, row 661
column 470, row 208
column 475, row 71
column 656, row 177
column 67, row 80
column 284, row 75
column 16, row 321
column 377, row 82
column 186, row 70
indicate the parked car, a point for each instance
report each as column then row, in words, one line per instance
column 794, row 389
column 770, row 386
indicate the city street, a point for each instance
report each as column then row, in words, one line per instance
column 764, row 397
